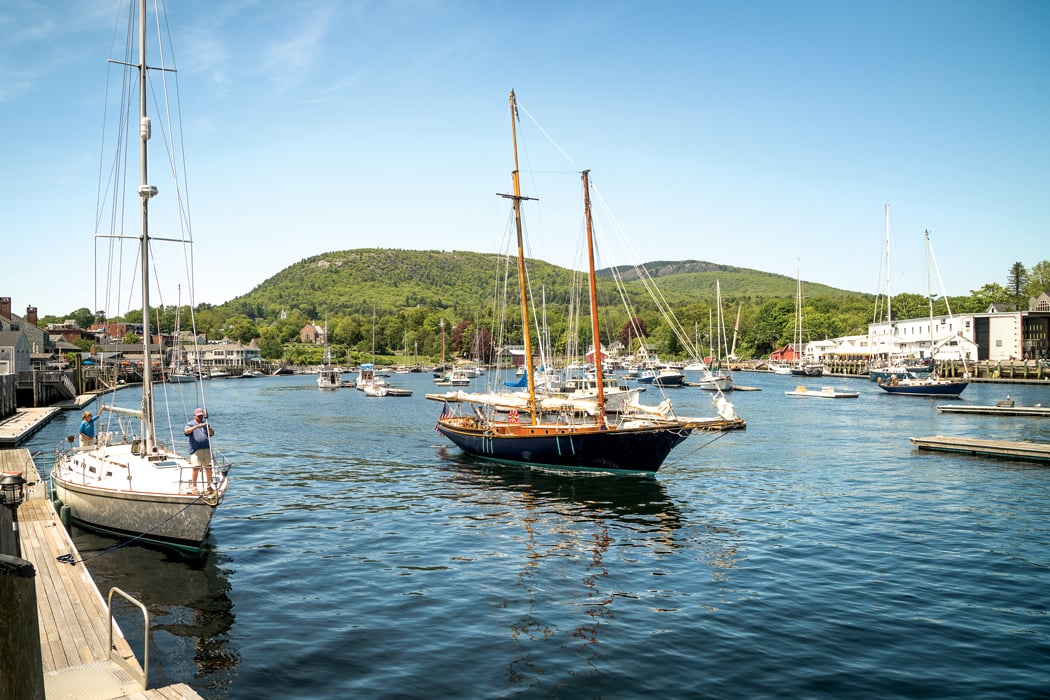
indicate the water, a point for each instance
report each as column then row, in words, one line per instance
column 815, row 554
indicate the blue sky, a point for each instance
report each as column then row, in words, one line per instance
column 759, row 134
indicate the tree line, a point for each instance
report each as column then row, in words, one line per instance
column 402, row 321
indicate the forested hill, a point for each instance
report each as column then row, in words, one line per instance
column 387, row 280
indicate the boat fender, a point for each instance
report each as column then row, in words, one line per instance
column 65, row 515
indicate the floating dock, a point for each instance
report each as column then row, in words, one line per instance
column 16, row 429
column 825, row 392
column 1000, row 409
column 74, row 620
column 1031, row 451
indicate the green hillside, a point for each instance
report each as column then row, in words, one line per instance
column 393, row 299
column 358, row 281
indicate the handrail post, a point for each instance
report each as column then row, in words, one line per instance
column 145, row 636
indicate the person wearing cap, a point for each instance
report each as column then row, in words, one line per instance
column 87, row 429
column 199, row 431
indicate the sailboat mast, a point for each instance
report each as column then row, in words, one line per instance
column 736, row 330
column 595, row 331
column 929, row 290
column 889, row 294
column 146, row 191
column 516, row 197
column 798, row 311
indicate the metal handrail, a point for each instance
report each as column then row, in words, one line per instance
column 145, row 656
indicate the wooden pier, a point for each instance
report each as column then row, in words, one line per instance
column 1029, row 451
column 73, row 617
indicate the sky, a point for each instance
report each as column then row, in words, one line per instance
column 769, row 135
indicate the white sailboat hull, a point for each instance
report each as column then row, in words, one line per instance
column 116, row 489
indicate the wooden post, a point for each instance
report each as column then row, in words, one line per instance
column 8, row 543
column 23, row 675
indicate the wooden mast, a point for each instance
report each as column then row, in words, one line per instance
column 595, row 332
column 517, row 198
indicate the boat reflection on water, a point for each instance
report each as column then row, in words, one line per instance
column 634, row 498
column 189, row 603
column 586, row 531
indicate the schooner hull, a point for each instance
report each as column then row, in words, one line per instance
column 614, row 449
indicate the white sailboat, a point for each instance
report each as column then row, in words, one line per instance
column 719, row 378
column 804, row 366
column 930, row 385
column 130, row 482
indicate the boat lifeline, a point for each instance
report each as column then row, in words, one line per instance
column 129, row 482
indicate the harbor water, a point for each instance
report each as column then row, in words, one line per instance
column 814, row 555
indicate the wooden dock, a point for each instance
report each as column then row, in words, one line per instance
column 14, row 430
column 1029, row 451
column 997, row 410
column 73, row 615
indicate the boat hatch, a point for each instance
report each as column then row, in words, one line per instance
column 165, row 463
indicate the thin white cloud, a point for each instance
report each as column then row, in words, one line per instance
column 290, row 60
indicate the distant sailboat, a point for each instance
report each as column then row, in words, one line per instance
column 803, row 366
column 931, row 385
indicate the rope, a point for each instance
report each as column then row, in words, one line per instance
column 721, row 434
column 68, row 558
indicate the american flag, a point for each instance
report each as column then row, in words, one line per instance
column 446, row 412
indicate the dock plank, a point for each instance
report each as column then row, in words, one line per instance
column 1031, row 451
column 71, row 611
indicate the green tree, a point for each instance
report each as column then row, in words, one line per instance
column 240, row 328
column 270, row 346
column 1017, row 284
column 1039, row 278
column 987, row 295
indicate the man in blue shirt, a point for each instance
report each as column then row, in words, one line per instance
column 87, row 429
column 199, row 431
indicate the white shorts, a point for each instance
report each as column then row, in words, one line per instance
column 201, row 458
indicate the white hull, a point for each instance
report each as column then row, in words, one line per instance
column 716, row 383
column 116, row 489
column 181, row 378
column 328, row 378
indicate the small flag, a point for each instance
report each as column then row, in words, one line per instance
column 446, row 412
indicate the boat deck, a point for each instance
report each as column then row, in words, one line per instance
column 72, row 614
column 986, row 448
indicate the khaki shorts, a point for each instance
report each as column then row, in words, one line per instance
column 201, row 458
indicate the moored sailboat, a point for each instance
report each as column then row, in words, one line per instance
column 931, row 384
column 635, row 443
column 129, row 482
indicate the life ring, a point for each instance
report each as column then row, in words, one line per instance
column 512, row 416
